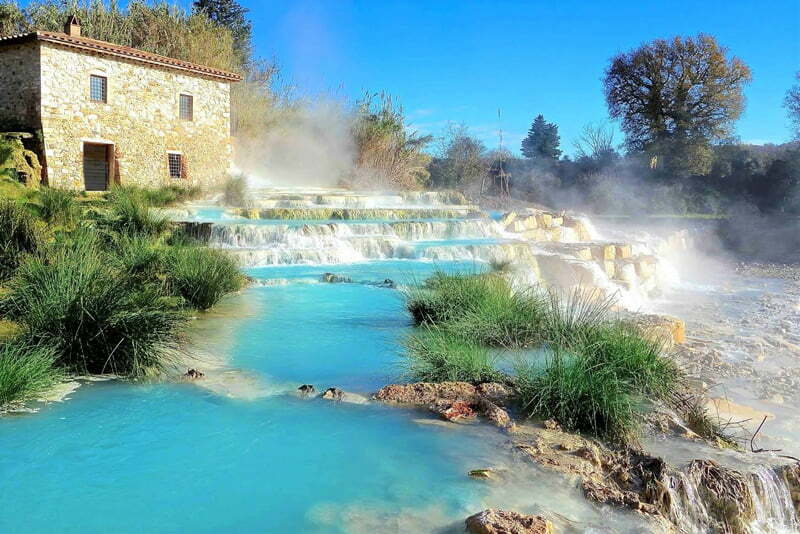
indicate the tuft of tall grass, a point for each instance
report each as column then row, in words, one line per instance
column 141, row 257
column 636, row 359
column 235, row 192
column 483, row 307
column 159, row 197
column 580, row 393
column 576, row 314
column 76, row 297
column 130, row 212
column 20, row 234
column 58, row 206
column 200, row 275
column 25, row 371
column 437, row 355
column 598, row 374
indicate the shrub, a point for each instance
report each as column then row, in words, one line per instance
column 20, row 234
column 235, row 192
column 202, row 276
column 57, row 206
column 131, row 213
column 436, row 355
column 25, row 371
column 76, row 298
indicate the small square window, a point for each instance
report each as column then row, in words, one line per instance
column 175, row 166
column 98, row 88
column 187, row 107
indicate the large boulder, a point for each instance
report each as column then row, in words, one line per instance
column 504, row 522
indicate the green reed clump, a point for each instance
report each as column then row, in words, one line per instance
column 20, row 234
column 235, row 192
column 158, row 197
column 131, row 212
column 141, row 257
column 482, row 307
column 79, row 299
column 58, row 206
column 581, row 394
column 200, row 275
column 599, row 372
column 25, row 371
column 436, row 355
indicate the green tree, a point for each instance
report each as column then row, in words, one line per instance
column 231, row 15
column 12, row 18
column 675, row 97
column 542, row 141
column 460, row 160
column 793, row 105
column 387, row 153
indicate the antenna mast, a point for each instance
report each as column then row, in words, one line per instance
column 502, row 175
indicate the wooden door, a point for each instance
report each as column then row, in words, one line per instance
column 95, row 167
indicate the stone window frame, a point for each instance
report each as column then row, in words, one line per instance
column 173, row 164
column 189, row 117
column 104, row 78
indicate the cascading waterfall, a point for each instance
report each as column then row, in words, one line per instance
column 334, row 243
column 577, row 256
column 767, row 496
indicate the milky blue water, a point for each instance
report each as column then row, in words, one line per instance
column 170, row 458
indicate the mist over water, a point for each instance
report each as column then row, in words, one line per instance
column 312, row 146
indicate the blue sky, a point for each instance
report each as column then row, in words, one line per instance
column 460, row 61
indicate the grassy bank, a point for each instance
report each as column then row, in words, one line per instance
column 584, row 368
column 100, row 285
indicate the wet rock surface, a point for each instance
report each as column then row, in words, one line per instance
column 454, row 401
column 506, row 522
column 193, row 374
column 453, row 411
column 306, row 390
column 423, row 393
column 334, row 394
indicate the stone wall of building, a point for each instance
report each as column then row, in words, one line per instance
column 19, row 87
column 140, row 119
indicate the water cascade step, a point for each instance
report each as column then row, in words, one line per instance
column 332, row 227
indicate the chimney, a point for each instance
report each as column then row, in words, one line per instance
column 73, row 26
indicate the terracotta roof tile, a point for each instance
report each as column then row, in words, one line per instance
column 114, row 50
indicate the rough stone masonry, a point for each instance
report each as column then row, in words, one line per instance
column 45, row 90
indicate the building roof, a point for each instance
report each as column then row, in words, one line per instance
column 114, row 50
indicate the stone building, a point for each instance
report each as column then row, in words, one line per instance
column 104, row 114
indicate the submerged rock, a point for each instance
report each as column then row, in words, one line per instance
column 193, row 374
column 453, row 411
column 454, row 400
column 306, row 389
column 331, row 278
column 333, row 394
column 336, row 394
column 504, row 522
column 487, row 474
